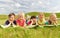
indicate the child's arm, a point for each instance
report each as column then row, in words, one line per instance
column 14, row 25
column 7, row 23
column 30, row 23
column 5, row 26
column 24, row 24
column 18, row 25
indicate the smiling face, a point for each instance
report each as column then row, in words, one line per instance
column 41, row 16
column 12, row 17
column 53, row 17
column 34, row 20
column 21, row 16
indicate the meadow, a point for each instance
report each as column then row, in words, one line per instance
column 18, row 32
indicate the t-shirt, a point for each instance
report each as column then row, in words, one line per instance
column 30, row 23
column 41, row 22
column 20, row 22
column 7, row 22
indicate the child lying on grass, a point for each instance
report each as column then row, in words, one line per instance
column 41, row 19
column 32, row 22
column 21, row 20
column 10, row 22
column 52, row 20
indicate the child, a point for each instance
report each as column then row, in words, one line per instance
column 52, row 19
column 41, row 20
column 11, row 21
column 32, row 21
column 21, row 20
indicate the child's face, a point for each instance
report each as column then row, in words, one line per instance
column 53, row 18
column 41, row 16
column 12, row 18
column 34, row 19
column 21, row 17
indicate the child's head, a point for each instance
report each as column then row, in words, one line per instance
column 41, row 15
column 21, row 16
column 53, row 17
column 33, row 18
column 11, row 16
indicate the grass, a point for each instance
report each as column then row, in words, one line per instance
column 18, row 32
column 46, row 14
column 10, row 32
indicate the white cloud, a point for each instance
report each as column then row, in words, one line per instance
column 30, row 5
column 18, row 5
column 7, row 0
column 40, row 2
column 3, row 5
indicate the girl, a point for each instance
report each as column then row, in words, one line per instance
column 41, row 19
column 11, row 21
column 21, row 20
column 52, row 19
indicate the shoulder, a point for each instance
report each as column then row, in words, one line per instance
column 14, row 20
column 7, row 21
column 17, row 20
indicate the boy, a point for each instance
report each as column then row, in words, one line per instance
column 32, row 21
column 11, row 21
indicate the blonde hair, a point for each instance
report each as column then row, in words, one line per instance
column 41, row 13
column 22, row 14
column 53, row 14
column 52, row 19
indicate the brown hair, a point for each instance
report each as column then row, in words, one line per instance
column 11, row 14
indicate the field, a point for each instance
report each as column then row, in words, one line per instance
column 18, row 32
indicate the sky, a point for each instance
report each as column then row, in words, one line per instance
column 8, row 6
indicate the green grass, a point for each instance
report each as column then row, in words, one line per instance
column 18, row 32
column 46, row 14
column 52, row 32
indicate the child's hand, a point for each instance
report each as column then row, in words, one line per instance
column 11, row 21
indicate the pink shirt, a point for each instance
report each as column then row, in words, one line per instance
column 20, row 22
column 29, row 22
